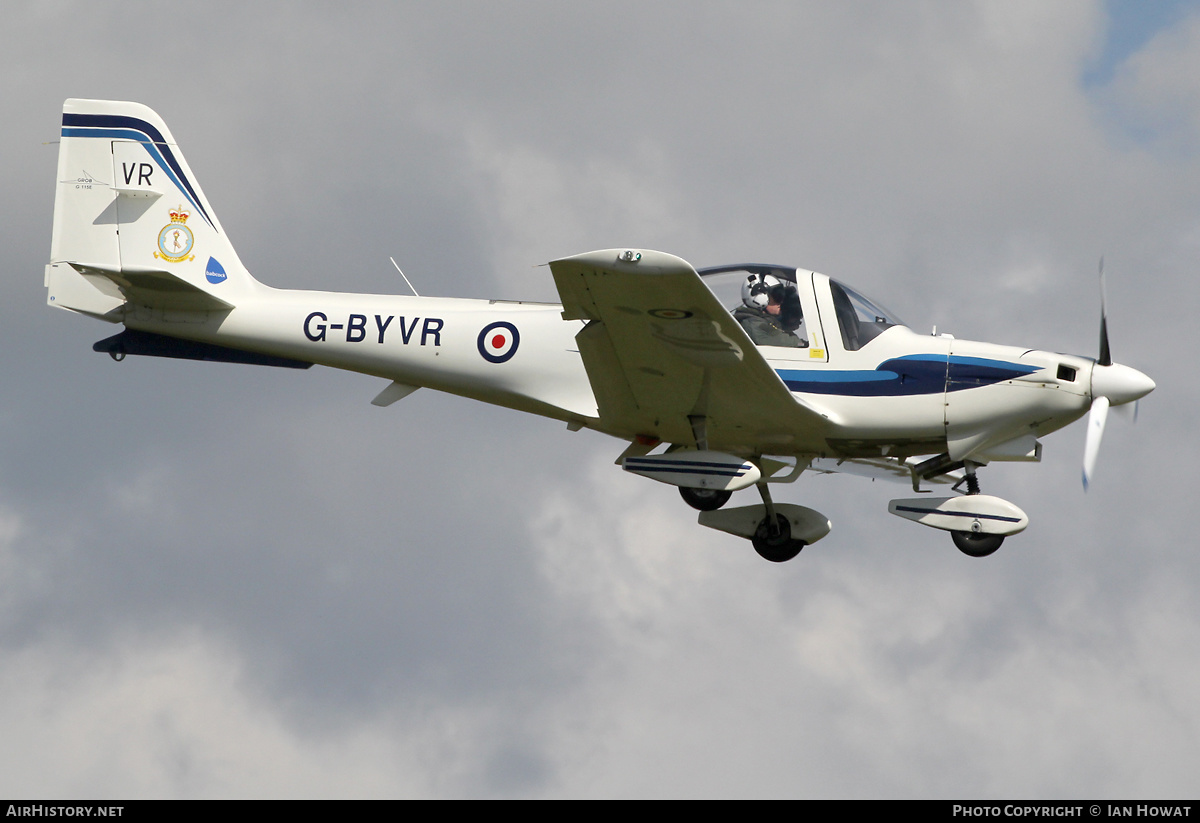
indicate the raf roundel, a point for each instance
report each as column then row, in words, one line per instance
column 670, row 314
column 498, row 342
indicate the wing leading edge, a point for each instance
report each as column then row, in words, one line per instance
column 663, row 356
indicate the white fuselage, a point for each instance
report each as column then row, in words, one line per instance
column 524, row 356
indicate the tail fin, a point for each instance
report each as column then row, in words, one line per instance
column 132, row 229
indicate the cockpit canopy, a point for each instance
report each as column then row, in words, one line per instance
column 859, row 319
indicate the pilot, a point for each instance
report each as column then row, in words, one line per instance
column 770, row 312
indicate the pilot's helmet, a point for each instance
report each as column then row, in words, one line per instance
column 760, row 290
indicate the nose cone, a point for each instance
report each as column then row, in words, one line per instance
column 1120, row 384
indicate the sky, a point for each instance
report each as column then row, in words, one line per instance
column 234, row 581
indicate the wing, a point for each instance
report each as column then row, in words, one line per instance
column 662, row 354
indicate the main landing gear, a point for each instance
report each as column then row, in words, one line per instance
column 705, row 500
column 776, row 544
column 773, row 538
column 777, row 531
column 771, row 543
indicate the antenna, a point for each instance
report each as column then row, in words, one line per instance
column 405, row 276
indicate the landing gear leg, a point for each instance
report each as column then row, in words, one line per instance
column 773, row 537
column 972, row 478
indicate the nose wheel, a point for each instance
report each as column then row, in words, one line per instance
column 976, row 545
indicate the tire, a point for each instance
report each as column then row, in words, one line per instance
column 779, row 548
column 977, row 545
column 705, row 500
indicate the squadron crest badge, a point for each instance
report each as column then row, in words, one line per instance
column 175, row 240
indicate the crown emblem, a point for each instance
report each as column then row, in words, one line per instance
column 175, row 240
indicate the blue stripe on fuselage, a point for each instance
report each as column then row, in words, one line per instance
column 969, row 372
column 915, row 374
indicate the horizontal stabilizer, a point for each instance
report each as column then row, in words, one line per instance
column 149, row 344
column 157, row 289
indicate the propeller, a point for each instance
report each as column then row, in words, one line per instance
column 1105, row 354
column 1129, row 411
column 1095, row 432
column 1112, row 385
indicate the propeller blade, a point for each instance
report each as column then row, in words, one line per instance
column 1128, row 411
column 1095, row 432
column 1105, row 354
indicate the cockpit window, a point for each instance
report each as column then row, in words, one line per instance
column 768, row 303
column 860, row 320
